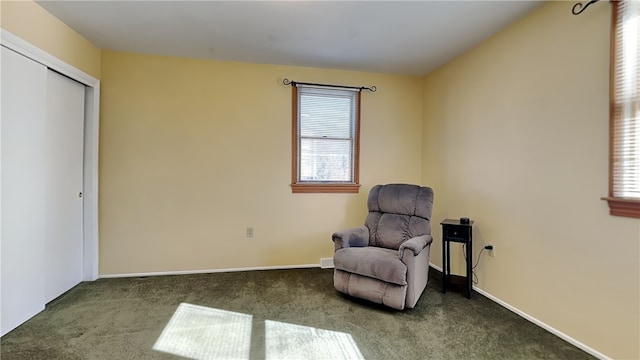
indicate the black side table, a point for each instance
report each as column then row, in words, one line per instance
column 454, row 231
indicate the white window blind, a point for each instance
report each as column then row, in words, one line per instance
column 625, row 155
column 326, row 134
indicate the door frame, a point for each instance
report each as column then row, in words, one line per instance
column 91, row 138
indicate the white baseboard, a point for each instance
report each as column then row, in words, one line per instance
column 541, row 324
column 435, row 267
column 207, row 271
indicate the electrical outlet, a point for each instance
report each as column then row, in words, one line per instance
column 326, row 263
column 250, row 231
column 492, row 252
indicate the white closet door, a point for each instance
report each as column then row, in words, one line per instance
column 63, row 228
column 24, row 103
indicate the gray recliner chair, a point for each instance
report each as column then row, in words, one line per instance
column 386, row 261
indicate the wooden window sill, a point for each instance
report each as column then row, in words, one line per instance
column 623, row 207
column 325, row 188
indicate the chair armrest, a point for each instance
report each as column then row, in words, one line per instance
column 415, row 244
column 354, row 237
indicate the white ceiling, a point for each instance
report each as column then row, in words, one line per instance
column 399, row 37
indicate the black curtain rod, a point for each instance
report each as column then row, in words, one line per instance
column 294, row 83
column 578, row 8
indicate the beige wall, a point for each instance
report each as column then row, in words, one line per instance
column 192, row 152
column 27, row 20
column 515, row 136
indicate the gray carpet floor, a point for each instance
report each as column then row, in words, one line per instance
column 123, row 318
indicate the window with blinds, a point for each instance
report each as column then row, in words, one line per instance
column 624, row 187
column 326, row 122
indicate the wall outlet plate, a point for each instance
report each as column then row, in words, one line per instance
column 492, row 252
column 326, row 263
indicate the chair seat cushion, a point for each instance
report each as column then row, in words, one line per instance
column 373, row 262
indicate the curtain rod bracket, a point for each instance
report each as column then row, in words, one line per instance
column 294, row 83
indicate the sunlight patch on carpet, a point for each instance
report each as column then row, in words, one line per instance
column 287, row 341
column 201, row 333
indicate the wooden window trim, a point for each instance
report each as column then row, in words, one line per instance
column 623, row 207
column 322, row 187
column 617, row 206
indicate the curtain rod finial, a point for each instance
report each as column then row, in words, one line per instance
column 579, row 7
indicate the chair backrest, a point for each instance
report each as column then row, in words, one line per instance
column 397, row 213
